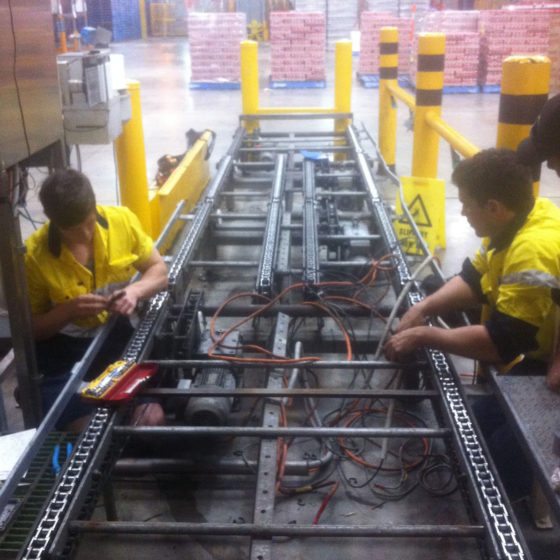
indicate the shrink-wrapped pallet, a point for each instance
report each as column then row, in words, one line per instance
column 215, row 46
column 297, row 46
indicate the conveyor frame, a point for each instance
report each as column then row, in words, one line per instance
column 97, row 449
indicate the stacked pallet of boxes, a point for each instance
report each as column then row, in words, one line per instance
column 215, row 48
column 297, row 41
column 370, row 27
column 462, row 48
column 551, row 13
column 342, row 19
column 490, row 4
column 554, row 50
column 402, row 8
column 508, row 32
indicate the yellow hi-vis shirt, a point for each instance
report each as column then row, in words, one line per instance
column 517, row 280
column 119, row 244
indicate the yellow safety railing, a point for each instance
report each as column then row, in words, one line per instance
column 154, row 208
column 524, row 90
column 250, row 87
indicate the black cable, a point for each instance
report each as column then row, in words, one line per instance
column 241, row 453
column 436, row 464
column 14, row 73
column 369, row 480
column 353, row 497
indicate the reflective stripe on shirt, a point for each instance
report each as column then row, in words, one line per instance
column 533, row 278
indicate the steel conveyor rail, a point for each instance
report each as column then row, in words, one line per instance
column 310, row 240
column 265, row 273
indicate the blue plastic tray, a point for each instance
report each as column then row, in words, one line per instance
column 215, row 85
column 286, row 84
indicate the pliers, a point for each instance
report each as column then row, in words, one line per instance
column 55, row 461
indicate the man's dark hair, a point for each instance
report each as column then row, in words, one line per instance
column 67, row 197
column 496, row 174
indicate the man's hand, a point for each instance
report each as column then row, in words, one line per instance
column 123, row 302
column 414, row 317
column 402, row 344
column 553, row 375
column 85, row 305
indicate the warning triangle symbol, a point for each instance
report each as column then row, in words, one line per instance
column 419, row 212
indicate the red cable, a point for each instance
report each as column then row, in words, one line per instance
column 325, row 502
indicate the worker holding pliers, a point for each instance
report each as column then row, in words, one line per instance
column 78, row 267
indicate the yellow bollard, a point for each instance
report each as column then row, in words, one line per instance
column 388, row 74
column 343, row 82
column 131, row 162
column 525, row 85
column 250, row 82
column 429, row 92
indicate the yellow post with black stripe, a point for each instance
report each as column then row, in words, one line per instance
column 525, row 86
column 429, row 92
column 250, row 82
column 388, row 74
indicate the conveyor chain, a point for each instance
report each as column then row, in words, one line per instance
column 67, row 487
column 203, row 212
column 66, row 490
column 504, row 534
column 495, row 508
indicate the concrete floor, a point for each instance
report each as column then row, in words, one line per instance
column 170, row 108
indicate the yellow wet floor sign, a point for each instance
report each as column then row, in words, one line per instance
column 425, row 199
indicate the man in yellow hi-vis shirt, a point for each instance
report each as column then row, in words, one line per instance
column 513, row 275
column 543, row 144
column 79, row 266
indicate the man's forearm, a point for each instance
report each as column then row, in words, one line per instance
column 50, row 323
column 454, row 295
column 471, row 342
column 152, row 281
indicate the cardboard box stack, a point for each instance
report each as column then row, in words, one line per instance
column 450, row 21
column 297, row 41
column 214, row 44
column 507, row 32
column 552, row 13
column 402, row 8
column 341, row 21
column 462, row 45
column 461, row 60
column 370, row 28
column 554, row 50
